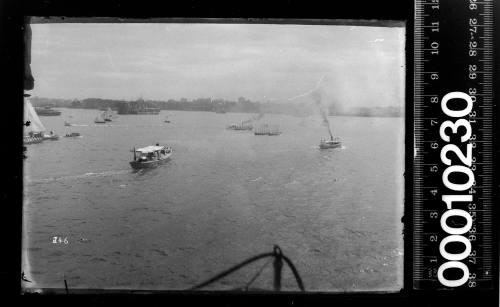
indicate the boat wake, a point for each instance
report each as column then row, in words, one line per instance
column 80, row 176
column 119, row 126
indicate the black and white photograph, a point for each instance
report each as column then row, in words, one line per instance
column 217, row 156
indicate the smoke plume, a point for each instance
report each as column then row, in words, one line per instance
column 259, row 116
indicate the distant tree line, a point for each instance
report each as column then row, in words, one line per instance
column 241, row 105
column 183, row 104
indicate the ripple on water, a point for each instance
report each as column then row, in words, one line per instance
column 159, row 251
column 297, row 188
column 98, row 259
column 118, row 235
column 56, row 253
column 140, row 209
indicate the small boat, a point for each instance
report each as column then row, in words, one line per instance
column 32, row 138
column 51, row 136
column 266, row 130
column 262, row 130
column 67, row 124
column 241, row 126
column 274, row 131
column 108, row 115
column 150, row 156
column 332, row 143
column 34, row 128
column 166, row 120
column 72, row 135
column 100, row 119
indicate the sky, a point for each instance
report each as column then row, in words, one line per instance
column 352, row 65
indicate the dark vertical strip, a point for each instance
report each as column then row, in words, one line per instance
column 496, row 148
column 29, row 82
column 11, row 89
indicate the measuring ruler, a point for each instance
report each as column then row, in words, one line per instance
column 453, row 152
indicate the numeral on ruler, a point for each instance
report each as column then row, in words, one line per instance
column 452, row 212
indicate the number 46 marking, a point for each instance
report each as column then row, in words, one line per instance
column 59, row 240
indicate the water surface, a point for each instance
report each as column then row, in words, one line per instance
column 225, row 196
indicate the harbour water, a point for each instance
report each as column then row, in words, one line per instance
column 225, row 196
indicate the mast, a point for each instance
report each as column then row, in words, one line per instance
column 31, row 116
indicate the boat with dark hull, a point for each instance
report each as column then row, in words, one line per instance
column 267, row 130
column 72, row 135
column 100, row 119
column 51, row 136
column 262, row 130
column 150, row 156
column 34, row 131
column 32, row 138
column 331, row 143
column 244, row 125
column 108, row 115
